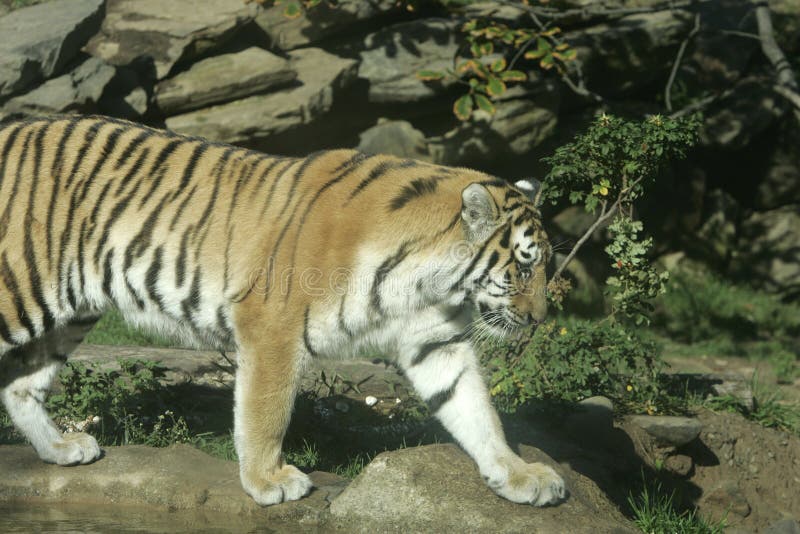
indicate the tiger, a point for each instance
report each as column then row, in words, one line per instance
column 283, row 259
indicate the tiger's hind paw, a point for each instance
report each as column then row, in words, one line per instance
column 537, row 484
column 286, row 484
column 75, row 448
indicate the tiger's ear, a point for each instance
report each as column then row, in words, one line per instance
column 532, row 188
column 478, row 211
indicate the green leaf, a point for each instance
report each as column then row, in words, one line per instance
column 495, row 86
column 498, row 65
column 462, row 108
column 513, row 76
column 484, row 103
column 430, row 75
column 292, row 10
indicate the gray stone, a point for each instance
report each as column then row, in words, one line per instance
column 725, row 499
column 177, row 478
column 437, row 488
column 321, row 22
column 780, row 184
column 39, row 41
column 630, row 52
column 750, row 109
column 716, row 237
column 784, row 526
column 78, row 90
column 320, row 74
column 398, row 138
column 769, row 249
column 679, row 464
column 223, row 78
column 395, row 54
column 731, row 385
column 166, row 32
column 669, row 430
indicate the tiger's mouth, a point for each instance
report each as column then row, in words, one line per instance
column 502, row 321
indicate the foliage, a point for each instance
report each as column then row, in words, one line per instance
column 112, row 329
column 655, row 512
column 636, row 281
column 616, row 159
column 769, row 408
column 574, row 361
column 124, row 400
column 488, row 59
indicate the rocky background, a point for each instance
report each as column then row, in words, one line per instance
column 345, row 77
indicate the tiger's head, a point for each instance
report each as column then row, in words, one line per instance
column 511, row 250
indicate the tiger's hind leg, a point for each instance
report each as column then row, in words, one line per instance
column 266, row 380
column 26, row 374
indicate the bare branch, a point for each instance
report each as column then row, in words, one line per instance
column 677, row 63
column 786, row 82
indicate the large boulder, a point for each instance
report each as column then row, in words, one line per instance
column 394, row 55
column 78, row 90
column 769, row 250
column 223, row 78
column 628, row 53
column 39, row 41
column 320, row 74
column 322, row 22
column 178, row 478
column 166, row 32
column 437, row 488
column 398, row 138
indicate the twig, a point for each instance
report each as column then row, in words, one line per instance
column 783, row 70
column 677, row 63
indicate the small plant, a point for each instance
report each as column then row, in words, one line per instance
column 654, row 512
column 354, row 466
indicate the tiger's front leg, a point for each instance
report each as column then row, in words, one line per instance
column 447, row 376
column 266, row 382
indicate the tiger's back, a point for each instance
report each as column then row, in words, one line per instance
column 281, row 259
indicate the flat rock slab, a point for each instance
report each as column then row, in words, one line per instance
column 166, row 32
column 38, row 41
column 669, row 429
column 437, row 488
column 223, row 78
column 177, row 478
column 319, row 73
column 78, row 90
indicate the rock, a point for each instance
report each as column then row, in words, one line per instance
column 320, row 74
column 437, row 488
column 398, row 138
column 669, row 430
column 784, row 526
column 176, row 478
column 679, row 464
column 725, row 499
column 780, row 184
column 592, row 421
column 769, row 250
column 223, row 78
column 737, row 119
column 166, row 32
column 78, row 90
column 631, row 51
column 394, row 55
column 716, row 237
column 39, row 41
column 732, row 385
column 322, row 22
column 127, row 96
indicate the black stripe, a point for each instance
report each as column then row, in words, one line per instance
column 118, row 208
column 222, row 322
column 416, row 189
column 108, row 274
column 10, row 282
column 151, row 277
column 506, row 237
column 428, row 348
column 383, row 271
column 297, row 176
column 98, row 203
column 10, row 202
column 279, row 174
column 157, row 170
column 130, row 148
column 252, row 165
column 71, row 299
column 105, row 155
column 133, row 171
column 342, row 326
column 182, row 207
column 188, row 172
column 180, row 263
column 89, row 138
column 5, row 333
column 192, row 301
column 81, row 253
column 494, row 257
column 306, row 338
column 10, row 140
column 380, row 170
column 438, row 400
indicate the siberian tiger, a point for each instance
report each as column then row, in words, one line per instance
column 284, row 259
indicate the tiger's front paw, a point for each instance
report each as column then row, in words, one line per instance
column 75, row 448
column 286, row 484
column 537, row 484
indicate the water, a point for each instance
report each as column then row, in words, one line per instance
column 104, row 518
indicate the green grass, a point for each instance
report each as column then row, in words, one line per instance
column 113, row 330
column 769, row 408
column 655, row 512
